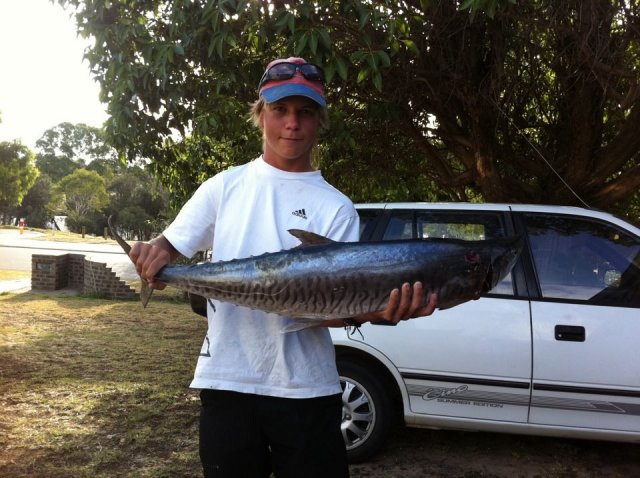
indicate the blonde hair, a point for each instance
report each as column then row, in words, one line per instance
column 258, row 106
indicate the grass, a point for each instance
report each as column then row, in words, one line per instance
column 97, row 388
column 6, row 274
column 64, row 236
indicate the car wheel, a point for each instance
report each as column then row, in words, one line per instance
column 367, row 411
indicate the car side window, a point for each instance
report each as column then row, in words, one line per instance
column 465, row 225
column 584, row 260
column 368, row 221
column 400, row 226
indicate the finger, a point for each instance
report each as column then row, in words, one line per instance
column 139, row 255
column 152, row 266
column 392, row 306
column 134, row 253
column 416, row 300
column 429, row 308
column 157, row 285
column 403, row 311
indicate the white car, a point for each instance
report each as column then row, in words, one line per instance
column 552, row 350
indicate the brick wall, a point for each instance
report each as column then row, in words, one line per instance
column 100, row 279
column 75, row 272
column 49, row 272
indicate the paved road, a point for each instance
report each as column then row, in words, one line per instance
column 16, row 250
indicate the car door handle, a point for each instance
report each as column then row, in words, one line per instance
column 570, row 333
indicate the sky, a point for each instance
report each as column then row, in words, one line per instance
column 43, row 78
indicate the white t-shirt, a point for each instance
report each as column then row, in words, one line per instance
column 246, row 211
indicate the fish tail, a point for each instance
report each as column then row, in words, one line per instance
column 125, row 247
column 145, row 293
column 145, row 290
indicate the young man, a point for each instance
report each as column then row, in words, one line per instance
column 270, row 400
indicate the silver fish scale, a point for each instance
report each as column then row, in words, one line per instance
column 346, row 279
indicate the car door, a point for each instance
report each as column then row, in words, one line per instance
column 473, row 360
column 586, row 323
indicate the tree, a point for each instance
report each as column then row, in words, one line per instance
column 36, row 204
column 138, row 203
column 79, row 142
column 537, row 102
column 67, row 147
column 84, row 194
column 56, row 167
column 18, row 174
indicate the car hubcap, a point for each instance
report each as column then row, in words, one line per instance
column 358, row 413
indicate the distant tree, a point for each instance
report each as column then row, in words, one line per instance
column 35, row 207
column 84, row 194
column 67, row 147
column 79, row 142
column 56, row 167
column 137, row 202
column 18, row 174
column 136, row 221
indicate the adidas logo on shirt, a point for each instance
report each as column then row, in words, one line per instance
column 300, row 213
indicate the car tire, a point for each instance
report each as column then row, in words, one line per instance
column 367, row 410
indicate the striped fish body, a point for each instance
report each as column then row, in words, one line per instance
column 337, row 280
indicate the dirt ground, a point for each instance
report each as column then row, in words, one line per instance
column 418, row 453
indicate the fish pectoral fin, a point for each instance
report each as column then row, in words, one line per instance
column 309, row 238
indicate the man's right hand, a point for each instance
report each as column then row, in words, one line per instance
column 150, row 257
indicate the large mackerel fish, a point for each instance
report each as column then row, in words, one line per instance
column 323, row 279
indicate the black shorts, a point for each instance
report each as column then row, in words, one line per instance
column 244, row 435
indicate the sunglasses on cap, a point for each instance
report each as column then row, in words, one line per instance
column 286, row 71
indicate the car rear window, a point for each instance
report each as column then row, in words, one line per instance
column 467, row 225
column 444, row 224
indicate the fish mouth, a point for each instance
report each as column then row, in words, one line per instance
column 503, row 259
column 487, row 284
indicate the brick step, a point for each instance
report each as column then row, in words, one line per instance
column 75, row 271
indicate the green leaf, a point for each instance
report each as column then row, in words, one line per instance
column 341, row 67
column 410, row 44
column 384, row 58
column 300, row 44
column 282, row 20
column 377, row 80
column 364, row 19
column 325, row 38
column 329, row 72
column 358, row 56
column 212, row 46
column 363, row 75
column 291, row 23
column 219, row 45
column 372, row 62
column 313, row 42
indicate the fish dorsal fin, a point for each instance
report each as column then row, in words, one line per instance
column 309, row 238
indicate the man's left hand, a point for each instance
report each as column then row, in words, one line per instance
column 404, row 303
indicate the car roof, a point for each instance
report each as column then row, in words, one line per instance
column 565, row 210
